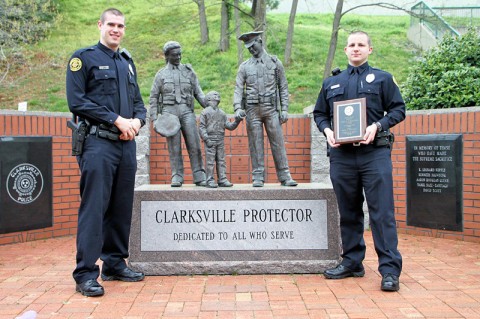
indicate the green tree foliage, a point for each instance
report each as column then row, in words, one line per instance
column 447, row 76
column 25, row 21
column 22, row 22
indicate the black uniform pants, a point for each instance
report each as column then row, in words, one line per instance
column 106, row 188
column 353, row 171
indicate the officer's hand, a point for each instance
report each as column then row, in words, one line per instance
column 125, row 126
column 240, row 114
column 370, row 133
column 284, row 117
column 136, row 124
column 330, row 137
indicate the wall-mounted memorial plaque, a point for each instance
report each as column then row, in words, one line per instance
column 434, row 181
column 349, row 120
column 26, row 183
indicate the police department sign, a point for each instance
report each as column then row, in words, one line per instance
column 26, row 199
column 24, row 183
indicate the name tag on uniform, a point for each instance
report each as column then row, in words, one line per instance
column 104, row 67
column 335, row 86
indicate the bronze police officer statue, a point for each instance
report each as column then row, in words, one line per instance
column 261, row 95
column 173, row 92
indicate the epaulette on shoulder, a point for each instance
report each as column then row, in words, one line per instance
column 274, row 58
column 126, row 54
column 336, row 71
column 380, row 71
column 189, row 66
column 80, row 51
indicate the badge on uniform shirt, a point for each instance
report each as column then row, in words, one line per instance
column 334, row 86
column 104, row 67
column 370, row 78
column 131, row 69
column 75, row 64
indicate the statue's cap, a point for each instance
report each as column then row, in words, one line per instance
column 250, row 37
column 171, row 45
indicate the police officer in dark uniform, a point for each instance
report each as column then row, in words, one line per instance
column 365, row 167
column 102, row 90
column 261, row 95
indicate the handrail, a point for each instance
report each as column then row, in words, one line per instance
column 430, row 19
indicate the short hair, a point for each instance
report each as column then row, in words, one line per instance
column 209, row 95
column 112, row 11
column 170, row 45
column 361, row 32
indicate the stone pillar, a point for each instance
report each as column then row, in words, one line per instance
column 143, row 155
column 320, row 166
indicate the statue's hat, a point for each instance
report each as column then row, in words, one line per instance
column 250, row 37
column 167, row 124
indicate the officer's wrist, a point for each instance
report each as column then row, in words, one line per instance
column 378, row 125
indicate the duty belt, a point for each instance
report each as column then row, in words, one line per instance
column 383, row 138
column 104, row 131
column 268, row 100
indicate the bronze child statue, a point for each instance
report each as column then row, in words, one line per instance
column 213, row 122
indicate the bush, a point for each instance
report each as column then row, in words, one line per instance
column 447, row 76
column 22, row 22
column 25, row 21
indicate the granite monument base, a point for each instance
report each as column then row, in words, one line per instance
column 237, row 230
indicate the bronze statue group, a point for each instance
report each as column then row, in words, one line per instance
column 261, row 97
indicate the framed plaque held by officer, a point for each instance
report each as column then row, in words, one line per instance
column 349, row 120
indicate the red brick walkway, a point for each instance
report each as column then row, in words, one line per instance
column 441, row 279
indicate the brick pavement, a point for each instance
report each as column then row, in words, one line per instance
column 441, row 279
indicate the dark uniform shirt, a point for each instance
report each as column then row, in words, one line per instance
column 384, row 101
column 102, row 84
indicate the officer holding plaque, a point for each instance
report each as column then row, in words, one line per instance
column 362, row 165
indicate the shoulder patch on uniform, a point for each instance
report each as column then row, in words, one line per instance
column 126, row 54
column 394, row 80
column 75, row 64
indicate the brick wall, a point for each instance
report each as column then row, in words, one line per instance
column 450, row 121
column 65, row 171
column 298, row 143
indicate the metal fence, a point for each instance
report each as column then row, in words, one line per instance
column 460, row 18
column 445, row 20
column 424, row 15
